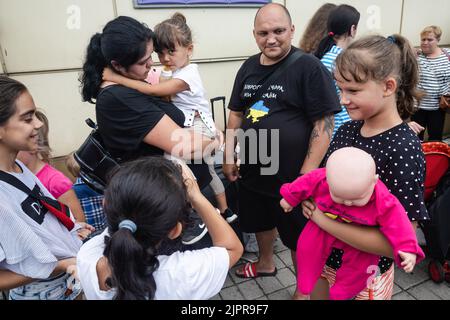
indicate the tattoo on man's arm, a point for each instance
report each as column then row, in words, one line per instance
column 328, row 125
column 314, row 136
column 322, row 126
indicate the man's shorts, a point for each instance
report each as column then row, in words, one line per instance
column 258, row 213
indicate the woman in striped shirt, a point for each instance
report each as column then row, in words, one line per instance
column 434, row 64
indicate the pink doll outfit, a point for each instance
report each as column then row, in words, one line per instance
column 314, row 244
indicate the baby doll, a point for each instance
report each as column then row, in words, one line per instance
column 348, row 189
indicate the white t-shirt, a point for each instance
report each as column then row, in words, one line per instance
column 193, row 275
column 193, row 99
column 31, row 241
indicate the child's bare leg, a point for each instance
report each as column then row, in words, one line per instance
column 221, row 200
column 300, row 296
column 321, row 290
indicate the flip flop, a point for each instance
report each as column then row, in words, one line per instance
column 249, row 271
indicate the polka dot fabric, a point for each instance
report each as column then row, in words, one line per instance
column 400, row 162
column 400, row 165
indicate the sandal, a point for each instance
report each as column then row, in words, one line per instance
column 249, row 271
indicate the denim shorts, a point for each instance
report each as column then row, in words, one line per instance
column 61, row 287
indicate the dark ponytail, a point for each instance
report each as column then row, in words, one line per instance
column 150, row 192
column 93, row 68
column 132, row 266
column 124, row 40
column 325, row 45
column 340, row 22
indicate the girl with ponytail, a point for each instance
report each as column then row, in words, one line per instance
column 377, row 77
column 341, row 29
column 146, row 204
column 341, row 26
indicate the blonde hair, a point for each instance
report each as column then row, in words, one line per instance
column 44, row 151
column 432, row 29
column 377, row 58
column 72, row 166
column 316, row 29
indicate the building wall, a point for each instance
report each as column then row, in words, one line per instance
column 43, row 44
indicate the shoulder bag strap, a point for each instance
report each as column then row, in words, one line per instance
column 10, row 179
column 58, row 209
column 276, row 74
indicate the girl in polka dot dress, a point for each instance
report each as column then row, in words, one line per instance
column 377, row 77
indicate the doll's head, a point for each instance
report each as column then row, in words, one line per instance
column 351, row 176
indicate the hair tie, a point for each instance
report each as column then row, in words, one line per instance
column 391, row 39
column 128, row 224
column 331, row 34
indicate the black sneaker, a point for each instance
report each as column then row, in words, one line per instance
column 229, row 215
column 194, row 231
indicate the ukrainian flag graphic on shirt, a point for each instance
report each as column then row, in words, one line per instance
column 257, row 111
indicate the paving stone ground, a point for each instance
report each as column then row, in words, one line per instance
column 414, row 286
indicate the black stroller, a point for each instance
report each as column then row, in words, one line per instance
column 437, row 197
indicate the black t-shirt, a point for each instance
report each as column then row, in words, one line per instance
column 303, row 94
column 125, row 116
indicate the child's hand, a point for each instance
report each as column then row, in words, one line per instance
column 108, row 75
column 409, row 261
column 85, row 230
column 72, row 270
column 190, row 182
column 286, row 206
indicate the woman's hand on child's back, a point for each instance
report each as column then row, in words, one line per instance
column 417, row 128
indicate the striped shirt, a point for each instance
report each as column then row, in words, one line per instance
column 328, row 61
column 434, row 79
column 31, row 242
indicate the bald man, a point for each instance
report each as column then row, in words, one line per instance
column 296, row 112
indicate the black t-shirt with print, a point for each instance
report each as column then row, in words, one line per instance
column 303, row 94
column 125, row 116
column 400, row 165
